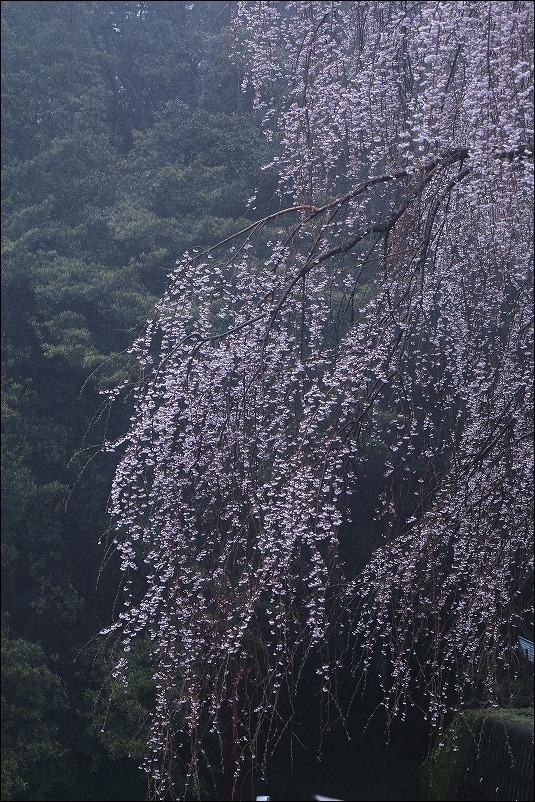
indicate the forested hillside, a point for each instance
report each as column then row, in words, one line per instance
column 125, row 141
column 267, row 389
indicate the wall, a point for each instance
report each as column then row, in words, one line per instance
column 499, row 764
column 485, row 759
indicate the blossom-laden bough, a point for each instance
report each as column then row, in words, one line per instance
column 386, row 301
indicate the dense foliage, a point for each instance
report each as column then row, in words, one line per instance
column 321, row 440
column 125, row 141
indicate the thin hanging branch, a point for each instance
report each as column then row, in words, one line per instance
column 270, row 383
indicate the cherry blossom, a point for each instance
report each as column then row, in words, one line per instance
column 386, row 303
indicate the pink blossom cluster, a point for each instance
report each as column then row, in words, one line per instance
column 386, row 307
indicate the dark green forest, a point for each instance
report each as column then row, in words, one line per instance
column 126, row 140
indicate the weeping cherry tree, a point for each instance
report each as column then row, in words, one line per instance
column 385, row 303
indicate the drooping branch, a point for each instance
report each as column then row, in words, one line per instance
column 287, row 361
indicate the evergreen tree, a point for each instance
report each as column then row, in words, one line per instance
column 118, row 152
